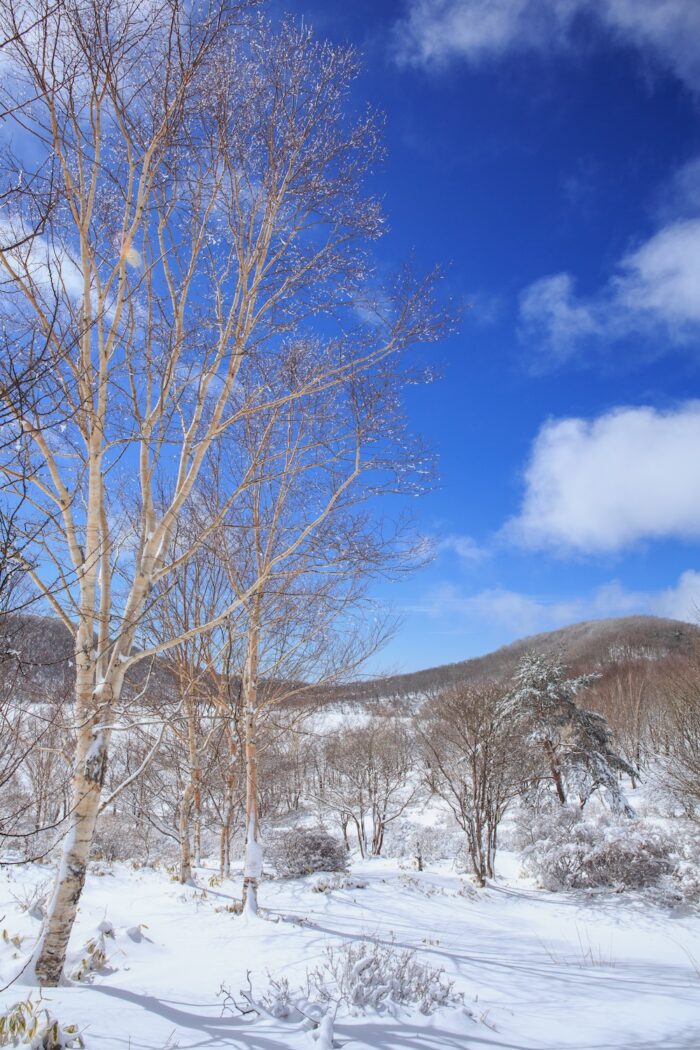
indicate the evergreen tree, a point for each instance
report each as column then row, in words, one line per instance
column 577, row 745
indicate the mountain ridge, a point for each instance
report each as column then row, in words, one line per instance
column 44, row 649
column 585, row 641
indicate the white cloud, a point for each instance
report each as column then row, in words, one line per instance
column 654, row 295
column 681, row 602
column 466, row 548
column 436, row 32
column 669, row 29
column 517, row 613
column 629, row 475
column 661, row 279
column 681, row 198
column 48, row 264
column 553, row 319
column 521, row 614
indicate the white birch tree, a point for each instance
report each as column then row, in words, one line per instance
column 205, row 189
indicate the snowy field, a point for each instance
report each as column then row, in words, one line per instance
column 538, row 971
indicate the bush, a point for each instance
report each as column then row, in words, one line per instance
column 112, row 840
column 94, row 956
column 357, row 977
column 365, row 975
column 302, row 852
column 565, row 850
column 119, row 837
column 419, row 843
column 329, row 883
column 30, row 1024
column 682, row 885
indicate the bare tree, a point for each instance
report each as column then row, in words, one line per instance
column 625, row 697
column 474, row 762
column 680, row 767
column 302, row 528
column 366, row 776
column 199, row 667
column 209, row 202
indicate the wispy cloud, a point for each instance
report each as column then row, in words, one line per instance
column 465, row 547
column 520, row 614
column 604, row 484
column 435, row 33
column 654, row 295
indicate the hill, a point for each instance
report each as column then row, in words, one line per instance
column 593, row 644
column 44, row 649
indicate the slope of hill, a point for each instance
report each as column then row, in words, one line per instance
column 592, row 643
column 44, row 649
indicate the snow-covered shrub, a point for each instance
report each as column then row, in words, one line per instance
column 682, row 884
column 328, row 883
column 356, row 977
column 33, row 900
column 564, row 849
column 302, row 851
column 28, row 1023
column 279, row 999
column 113, row 839
column 365, row 975
column 419, row 843
column 119, row 837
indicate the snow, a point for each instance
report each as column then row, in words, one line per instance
column 538, row 971
column 253, row 854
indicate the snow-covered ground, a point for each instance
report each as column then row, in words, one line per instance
column 538, row 971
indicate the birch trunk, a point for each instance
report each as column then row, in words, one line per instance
column 185, row 851
column 225, row 841
column 88, row 778
column 197, row 823
column 98, row 687
column 253, row 849
column 190, row 798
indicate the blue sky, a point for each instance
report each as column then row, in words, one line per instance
column 549, row 152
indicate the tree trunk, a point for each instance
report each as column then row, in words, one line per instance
column 88, row 778
column 223, row 849
column 185, row 850
column 191, row 796
column 253, row 850
column 344, row 829
column 225, row 840
column 377, row 835
column 361, row 837
column 555, row 770
column 197, row 813
column 225, row 844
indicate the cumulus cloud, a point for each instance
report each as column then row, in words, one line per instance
column 603, row 484
column 437, row 32
column 521, row 614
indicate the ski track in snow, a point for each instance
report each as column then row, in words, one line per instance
column 539, row 971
